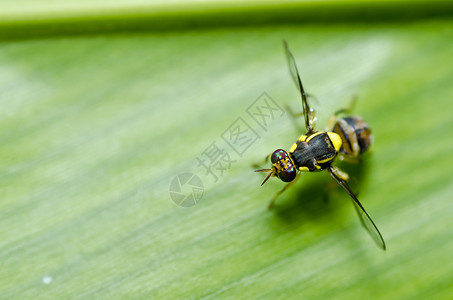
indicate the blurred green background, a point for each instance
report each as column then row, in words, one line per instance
column 103, row 103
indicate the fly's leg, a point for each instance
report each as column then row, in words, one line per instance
column 265, row 161
column 294, row 116
column 346, row 110
column 311, row 120
column 288, row 185
column 349, row 159
column 341, row 174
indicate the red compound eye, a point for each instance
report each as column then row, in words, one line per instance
column 283, row 165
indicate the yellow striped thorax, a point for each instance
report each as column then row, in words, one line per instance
column 316, row 151
column 336, row 140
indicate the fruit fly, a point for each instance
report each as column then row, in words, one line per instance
column 314, row 151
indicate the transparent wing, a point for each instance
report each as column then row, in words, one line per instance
column 365, row 219
column 295, row 75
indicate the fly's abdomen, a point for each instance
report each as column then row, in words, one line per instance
column 355, row 134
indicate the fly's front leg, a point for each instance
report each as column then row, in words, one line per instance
column 265, row 161
column 288, row 185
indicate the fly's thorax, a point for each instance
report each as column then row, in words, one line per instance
column 315, row 152
column 336, row 140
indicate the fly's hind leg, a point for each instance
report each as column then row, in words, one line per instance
column 346, row 110
column 349, row 159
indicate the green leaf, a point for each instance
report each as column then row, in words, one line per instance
column 95, row 127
